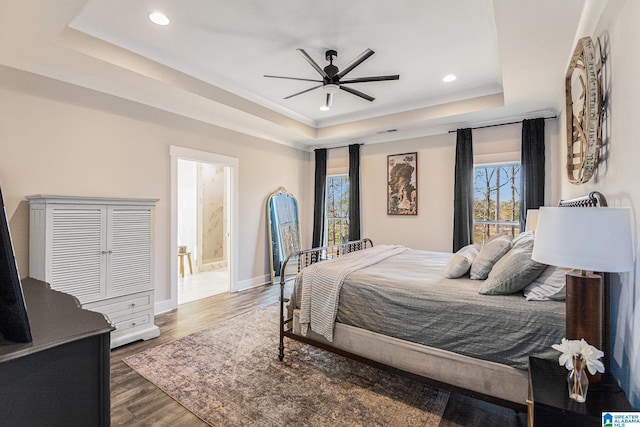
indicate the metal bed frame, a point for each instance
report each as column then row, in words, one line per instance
column 307, row 257
column 303, row 259
column 593, row 199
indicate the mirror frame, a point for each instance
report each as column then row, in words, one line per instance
column 281, row 192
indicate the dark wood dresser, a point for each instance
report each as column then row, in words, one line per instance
column 63, row 376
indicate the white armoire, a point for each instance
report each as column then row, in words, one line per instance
column 100, row 251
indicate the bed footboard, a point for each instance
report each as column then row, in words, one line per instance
column 303, row 259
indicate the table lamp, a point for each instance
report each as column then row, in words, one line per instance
column 587, row 240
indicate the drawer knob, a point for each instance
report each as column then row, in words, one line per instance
column 133, row 304
column 133, row 323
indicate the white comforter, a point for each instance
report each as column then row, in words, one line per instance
column 322, row 282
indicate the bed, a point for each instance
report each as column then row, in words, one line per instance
column 401, row 313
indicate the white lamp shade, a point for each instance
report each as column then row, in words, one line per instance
column 594, row 239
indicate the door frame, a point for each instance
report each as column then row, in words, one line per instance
column 181, row 153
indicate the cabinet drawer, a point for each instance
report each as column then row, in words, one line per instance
column 117, row 307
column 129, row 322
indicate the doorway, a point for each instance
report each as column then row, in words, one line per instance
column 203, row 204
column 203, row 191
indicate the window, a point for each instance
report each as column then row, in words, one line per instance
column 337, row 206
column 496, row 206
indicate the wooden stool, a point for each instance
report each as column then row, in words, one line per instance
column 181, row 256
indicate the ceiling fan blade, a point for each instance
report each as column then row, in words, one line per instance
column 312, row 62
column 293, row 78
column 353, row 64
column 357, row 93
column 304, row 91
column 371, row 79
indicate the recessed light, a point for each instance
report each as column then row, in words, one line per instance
column 324, row 108
column 159, row 18
column 449, row 78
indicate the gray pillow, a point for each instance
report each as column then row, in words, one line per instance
column 490, row 253
column 460, row 263
column 523, row 235
column 514, row 271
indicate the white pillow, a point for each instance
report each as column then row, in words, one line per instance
column 460, row 263
column 549, row 285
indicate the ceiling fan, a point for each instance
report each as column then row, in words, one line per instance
column 332, row 77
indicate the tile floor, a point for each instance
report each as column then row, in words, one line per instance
column 201, row 285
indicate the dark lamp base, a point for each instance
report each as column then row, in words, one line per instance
column 584, row 308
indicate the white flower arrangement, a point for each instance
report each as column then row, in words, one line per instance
column 581, row 349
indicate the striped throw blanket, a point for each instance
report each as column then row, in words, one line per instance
column 321, row 283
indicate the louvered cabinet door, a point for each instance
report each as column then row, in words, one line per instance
column 78, row 248
column 129, row 243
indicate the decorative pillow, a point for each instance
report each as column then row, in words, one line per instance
column 491, row 252
column 460, row 263
column 549, row 285
column 514, row 271
column 522, row 236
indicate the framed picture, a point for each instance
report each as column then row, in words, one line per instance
column 402, row 184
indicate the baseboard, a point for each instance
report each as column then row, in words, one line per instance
column 243, row 285
column 213, row 265
column 165, row 306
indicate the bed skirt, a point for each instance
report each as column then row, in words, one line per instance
column 473, row 375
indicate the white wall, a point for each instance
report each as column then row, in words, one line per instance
column 57, row 138
column 432, row 228
column 618, row 177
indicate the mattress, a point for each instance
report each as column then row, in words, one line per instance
column 407, row 297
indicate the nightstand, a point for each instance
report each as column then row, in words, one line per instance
column 549, row 403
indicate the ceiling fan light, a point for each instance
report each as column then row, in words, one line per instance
column 328, row 103
column 158, row 18
column 331, row 88
column 449, row 78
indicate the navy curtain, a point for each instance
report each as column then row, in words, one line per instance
column 531, row 167
column 463, row 191
column 354, row 192
column 320, row 185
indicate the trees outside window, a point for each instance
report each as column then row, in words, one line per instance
column 496, row 207
column 337, row 205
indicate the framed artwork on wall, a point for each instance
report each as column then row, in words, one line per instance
column 402, row 184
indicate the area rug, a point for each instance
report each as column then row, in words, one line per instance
column 230, row 375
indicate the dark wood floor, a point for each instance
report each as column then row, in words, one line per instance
column 136, row 402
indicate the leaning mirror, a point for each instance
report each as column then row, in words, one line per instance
column 284, row 228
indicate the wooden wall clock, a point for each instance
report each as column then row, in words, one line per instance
column 583, row 90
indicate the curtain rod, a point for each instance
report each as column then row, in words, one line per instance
column 502, row 124
column 342, row 146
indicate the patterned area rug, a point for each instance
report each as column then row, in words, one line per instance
column 230, row 375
